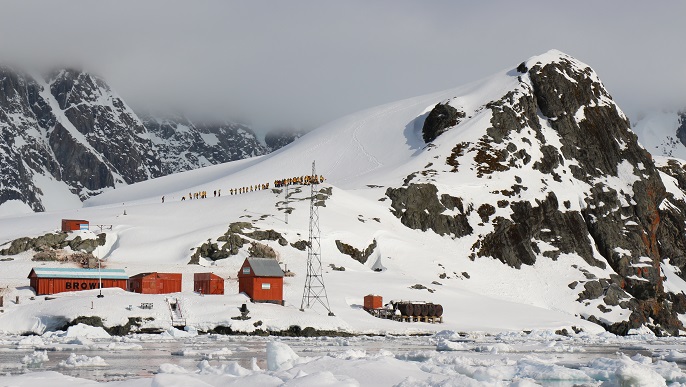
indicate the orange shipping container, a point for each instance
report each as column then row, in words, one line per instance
column 155, row 283
column 372, row 301
column 208, row 283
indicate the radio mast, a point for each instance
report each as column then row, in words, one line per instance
column 314, row 291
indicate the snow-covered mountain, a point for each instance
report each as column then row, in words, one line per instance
column 69, row 136
column 520, row 201
column 184, row 145
column 663, row 133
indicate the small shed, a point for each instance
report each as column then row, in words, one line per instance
column 372, row 301
column 208, row 283
column 74, row 225
column 155, row 283
column 262, row 280
column 47, row 280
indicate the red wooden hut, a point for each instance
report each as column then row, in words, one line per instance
column 208, row 283
column 48, row 280
column 155, row 283
column 74, row 225
column 262, row 280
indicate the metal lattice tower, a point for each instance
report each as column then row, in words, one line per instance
column 314, row 291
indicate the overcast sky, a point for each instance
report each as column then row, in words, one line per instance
column 303, row 63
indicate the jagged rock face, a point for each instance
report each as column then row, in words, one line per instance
column 601, row 143
column 24, row 119
column 184, row 145
column 74, row 129
column 673, row 218
column 557, row 132
column 80, row 167
column 110, row 127
column 515, row 241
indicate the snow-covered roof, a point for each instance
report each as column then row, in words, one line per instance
column 69, row 272
column 265, row 267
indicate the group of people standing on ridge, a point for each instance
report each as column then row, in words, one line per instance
column 199, row 195
column 301, row 180
column 256, row 187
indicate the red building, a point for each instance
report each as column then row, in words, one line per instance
column 262, row 280
column 155, row 283
column 208, row 283
column 47, row 280
column 74, row 225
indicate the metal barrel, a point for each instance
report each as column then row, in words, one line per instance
column 417, row 310
column 432, row 310
column 425, row 310
column 405, row 309
column 439, row 310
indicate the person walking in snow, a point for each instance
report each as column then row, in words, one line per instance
column 162, row 199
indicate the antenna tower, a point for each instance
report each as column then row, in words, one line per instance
column 314, row 291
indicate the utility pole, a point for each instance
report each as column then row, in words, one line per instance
column 97, row 256
column 314, row 291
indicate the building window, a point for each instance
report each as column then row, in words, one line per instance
column 246, row 270
column 266, row 286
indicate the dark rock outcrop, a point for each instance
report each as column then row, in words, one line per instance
column 269, row 235
column 514, row 240
column 359, row 256
column 419, row 208
column 52, row 241
column 300, row 245
column 260, row 250
column 441, row 118
column 234, row 239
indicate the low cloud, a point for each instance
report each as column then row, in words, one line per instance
column 303, row 63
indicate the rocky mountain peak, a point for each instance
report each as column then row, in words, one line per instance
column 565, row 175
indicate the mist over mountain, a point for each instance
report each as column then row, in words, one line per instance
column 279, row 138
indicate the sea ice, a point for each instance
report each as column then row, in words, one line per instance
column 75, row 360
column 35, row 359
column 87, row 331
column 280, row 356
